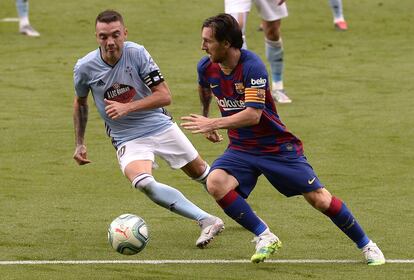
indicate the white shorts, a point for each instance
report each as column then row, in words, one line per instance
column 269, row 10
column 172, row 145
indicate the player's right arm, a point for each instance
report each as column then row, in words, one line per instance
column 80, row 119
column 205, row 100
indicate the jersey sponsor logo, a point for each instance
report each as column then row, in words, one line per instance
column 258, row 82
column 120, row 93
column 239, row 88
column 230, row 105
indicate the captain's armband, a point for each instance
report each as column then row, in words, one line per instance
column 254, row 95
column 154, row 78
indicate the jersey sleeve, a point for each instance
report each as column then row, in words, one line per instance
column 256, row 83
column 201, row 68
column 80, row 81
column 148, row 70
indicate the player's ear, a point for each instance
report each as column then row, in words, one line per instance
column 226, row 44
column 126, row 32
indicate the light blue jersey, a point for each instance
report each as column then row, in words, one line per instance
column 128, row 80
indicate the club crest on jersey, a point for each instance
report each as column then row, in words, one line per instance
column 261, row 93
column 128, row 70
column 239, row 88
column 120, row 93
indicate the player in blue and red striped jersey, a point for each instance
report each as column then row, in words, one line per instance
column 259, row 142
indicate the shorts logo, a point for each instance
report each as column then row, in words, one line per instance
column 310, row 181
column 239, row 88
column 121, row 151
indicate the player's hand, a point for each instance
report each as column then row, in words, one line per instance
column 214, row 136
column 81, row 155
column 115, row 109
column 197, row 124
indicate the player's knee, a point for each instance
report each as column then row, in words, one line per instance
column 320, row 199
column 321, row 204
column 141, row 181
column 272, row 33
column 217, row 184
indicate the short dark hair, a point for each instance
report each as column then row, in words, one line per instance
column 108, row 16
column 225, row 28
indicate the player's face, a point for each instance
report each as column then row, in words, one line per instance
column 216, row 50
column 111, row 37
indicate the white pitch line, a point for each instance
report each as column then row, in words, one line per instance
column 155, row 262
column 9, row 20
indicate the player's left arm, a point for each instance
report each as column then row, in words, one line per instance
column 205, row 100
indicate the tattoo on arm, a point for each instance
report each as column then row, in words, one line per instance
column 80, row 119
column 205, row 99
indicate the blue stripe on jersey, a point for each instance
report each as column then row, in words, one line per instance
column 270, row 135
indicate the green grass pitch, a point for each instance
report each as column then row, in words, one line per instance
column 352, row 106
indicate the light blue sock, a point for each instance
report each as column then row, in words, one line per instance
column 22, row 8
column 336, row 6
column 274, row 54
column 168, row 197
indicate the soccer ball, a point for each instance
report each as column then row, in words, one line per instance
column 128, row 234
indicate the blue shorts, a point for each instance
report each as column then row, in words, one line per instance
column 289, row 174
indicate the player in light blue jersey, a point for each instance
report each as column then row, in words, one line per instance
column 130, row 92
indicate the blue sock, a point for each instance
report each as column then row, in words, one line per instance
column 22, row 8
column 343, row 218
column 336, row 6
column 239, row 210
column 274, row 54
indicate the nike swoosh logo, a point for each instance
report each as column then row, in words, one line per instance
column 310, row 181
column 213, row 86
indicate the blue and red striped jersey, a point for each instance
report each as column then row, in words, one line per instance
column 247, row 86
